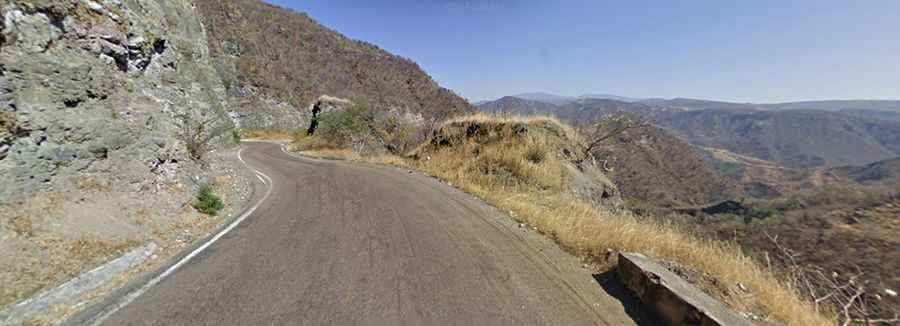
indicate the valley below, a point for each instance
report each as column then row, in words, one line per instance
column 142, row 123
column 815, row 186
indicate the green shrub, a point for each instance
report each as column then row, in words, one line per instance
column 236, row 135
column 207, row 201
column 760, row 213
column 341, row 126
column 729, row 168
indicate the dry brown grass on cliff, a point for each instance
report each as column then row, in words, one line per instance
column 267, row 135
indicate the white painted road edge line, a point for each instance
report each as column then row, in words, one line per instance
column 124, row 301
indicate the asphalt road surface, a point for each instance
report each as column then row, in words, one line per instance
column 346, row 244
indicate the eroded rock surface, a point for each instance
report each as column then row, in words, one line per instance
column 91, row 157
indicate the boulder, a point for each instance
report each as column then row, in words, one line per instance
column 325, row 104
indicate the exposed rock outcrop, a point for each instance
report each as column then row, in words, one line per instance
column 324, row 104
column 90, row 154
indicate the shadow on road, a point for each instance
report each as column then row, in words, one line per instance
column 633, row 307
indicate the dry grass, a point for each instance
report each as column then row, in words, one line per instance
column 267, row 135
column 506, row 175
column 524, row 172
column 22, row 226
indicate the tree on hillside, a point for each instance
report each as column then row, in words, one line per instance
column 597, row 134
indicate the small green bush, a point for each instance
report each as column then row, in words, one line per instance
column 207, row 201
column 236, row 135
column 340, row 126
column 759, row 213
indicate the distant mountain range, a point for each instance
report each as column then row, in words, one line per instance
column 798, row 135
column 560, row 99
column 700, row 104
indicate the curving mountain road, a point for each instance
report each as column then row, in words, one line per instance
column 339, row 243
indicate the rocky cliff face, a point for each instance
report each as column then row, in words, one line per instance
column 93, row 95
column 95, row 87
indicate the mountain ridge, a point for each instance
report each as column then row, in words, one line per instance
column 277, row 62
column 799, row 138
column 697, row 103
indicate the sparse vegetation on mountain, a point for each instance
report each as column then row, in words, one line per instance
column 651, row 167
column 794, row 138
column 199, row 133
column 277, row 62
column 784, row 134
column 841, row 227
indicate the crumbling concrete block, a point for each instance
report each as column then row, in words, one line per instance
column 676, row 301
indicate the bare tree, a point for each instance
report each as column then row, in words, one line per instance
column 845, row 295
column 608, row 127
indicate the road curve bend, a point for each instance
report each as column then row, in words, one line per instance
column 337, row 243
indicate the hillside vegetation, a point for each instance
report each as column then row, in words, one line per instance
column 794, row 138
column 522, row 165
column 649, row 165
column 276, row 62
column 785, row 134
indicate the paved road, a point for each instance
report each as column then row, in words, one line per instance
column 339, row 243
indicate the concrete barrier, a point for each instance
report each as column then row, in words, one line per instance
column 70, row 291
column 670, row 296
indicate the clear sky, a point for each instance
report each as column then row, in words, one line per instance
column 745, row 51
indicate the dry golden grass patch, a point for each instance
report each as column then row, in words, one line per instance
column 519, row 164
column 22, row 226
column 502, row 171
column 267, row 135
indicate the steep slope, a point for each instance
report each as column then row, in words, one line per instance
column 518, row 106
column 885, row 172
column 794, row 138
column 650, row 166
column 92, row 154
column 276, row 62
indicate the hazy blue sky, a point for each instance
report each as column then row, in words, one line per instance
column 748, row 51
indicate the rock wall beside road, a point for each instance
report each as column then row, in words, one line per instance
column 90, row 154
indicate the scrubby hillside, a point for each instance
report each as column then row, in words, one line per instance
column 518, row 106
column 842, row 227
column 576, row 111
column 650, row 166
column 782, row 134
column 885, row 172
column 98, row 102
column 794, row 138
column 276, row 63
